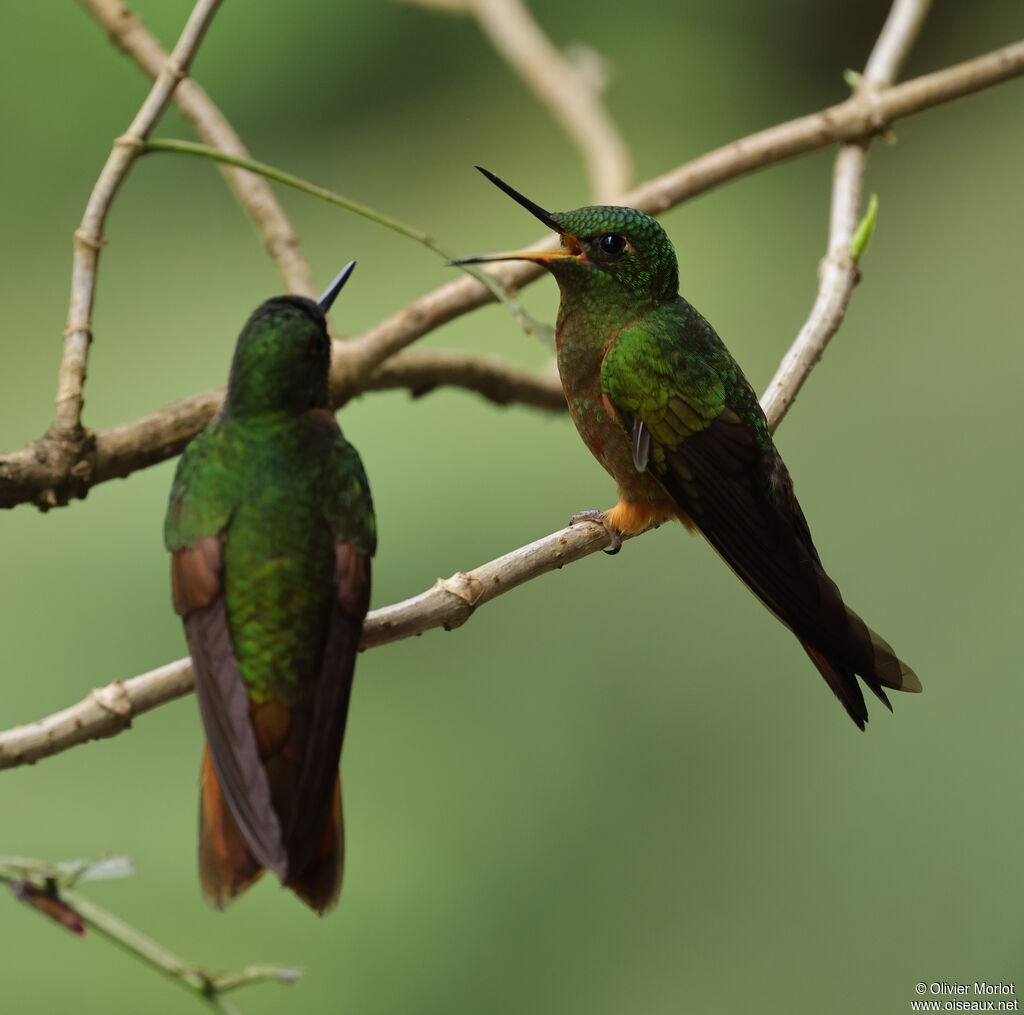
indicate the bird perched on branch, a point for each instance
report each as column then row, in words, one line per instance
column 271, row 529
column 666, row 410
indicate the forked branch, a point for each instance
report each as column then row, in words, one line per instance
column 571, row 92
column 32, row 474
column 839, row 271
column 89, row 237
column 450, row 602
column 253, row 192
column 51, row 889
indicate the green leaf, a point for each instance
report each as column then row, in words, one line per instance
column 852, row 78
column 862, row 237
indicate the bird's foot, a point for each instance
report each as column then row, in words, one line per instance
column 599, row 517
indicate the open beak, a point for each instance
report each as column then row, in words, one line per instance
column 571, row 247
column 331, row 292
column 539, row 256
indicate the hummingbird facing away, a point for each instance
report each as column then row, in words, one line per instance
column 271, row 530
column 666, row 410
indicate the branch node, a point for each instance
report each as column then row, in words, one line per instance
column 174, row 69
column 89, row 240
column 79, row 328
column 592, row 67
column 71, row 460
column 840, row 258
column 465, row 587
column 114, row 699
column 129, row 141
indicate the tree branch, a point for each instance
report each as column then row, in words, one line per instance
column 49, row 889
column 89, row 238
column 854, row 119
column 423, row 371
column 449, row 603
column 127, row 447
column 127, row 32
column 858, row 118
column 37, row 474
column 571, row 94
column 839, row 272
column 898, row 35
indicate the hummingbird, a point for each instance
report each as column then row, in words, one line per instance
column 663, row 406
column 271, row 529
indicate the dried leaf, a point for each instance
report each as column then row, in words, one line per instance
column 49, row 905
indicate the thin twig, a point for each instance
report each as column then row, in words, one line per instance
column 837, row 277
column 898, row 35
column 144, row 948
column 571, row 95
column 494, row 286
column 424, row 370
column 89, row 237
column 253, row 192
column 53, row 882
column 839, row 271
column 260, row 973
column 36, row 474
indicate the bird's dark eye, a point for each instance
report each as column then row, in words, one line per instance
column 612, row 244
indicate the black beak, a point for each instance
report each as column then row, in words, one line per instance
column 534, row 209
column 331, row 292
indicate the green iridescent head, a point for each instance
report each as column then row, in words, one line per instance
column 281, row 360
column 600, row 243
column 283, row 355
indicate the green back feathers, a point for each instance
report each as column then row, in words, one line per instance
column 306, row 460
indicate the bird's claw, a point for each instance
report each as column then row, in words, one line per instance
column 598, row 516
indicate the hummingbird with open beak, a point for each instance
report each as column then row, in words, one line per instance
column 271, row 529
column 663, row 406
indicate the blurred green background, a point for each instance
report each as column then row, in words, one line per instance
column 623, row 787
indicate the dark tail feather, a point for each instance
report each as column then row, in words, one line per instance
column 885, row 666
column 875, row 661
column 844, row 685
column 226, row 867
column 320, row 883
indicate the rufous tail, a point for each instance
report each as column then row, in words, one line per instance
column 227, row 867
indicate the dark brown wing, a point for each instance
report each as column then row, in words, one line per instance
column 224, row 703
column 314, row 862
column 742, row 499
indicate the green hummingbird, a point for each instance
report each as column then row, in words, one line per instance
column 664, row 407
column 271, row 529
